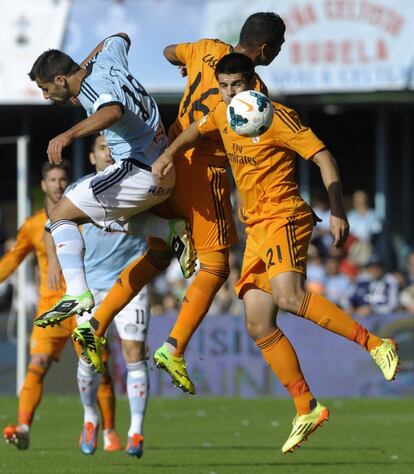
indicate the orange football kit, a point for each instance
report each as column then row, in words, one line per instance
column 29, row 239
column 278, row 229
column 278, row 221
column 50, row 340
column 202, row 190
column 201, row 195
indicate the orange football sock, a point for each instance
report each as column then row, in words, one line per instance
column 281, row 357
column 214, row 270
column 31, row 393
column 135, row 276
column 106, row 402
column 323, row 312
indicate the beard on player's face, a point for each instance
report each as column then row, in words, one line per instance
column 60, row 96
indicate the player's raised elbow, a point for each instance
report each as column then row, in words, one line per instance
column 125, row 36
column 170, row 54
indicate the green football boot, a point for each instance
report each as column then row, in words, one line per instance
column 92, row 345
column 305, row 425
column 176, row 367
column 181, row 244
column 66, row 307
column 386, row 357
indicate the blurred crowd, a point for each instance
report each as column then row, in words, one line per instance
column 354, row 277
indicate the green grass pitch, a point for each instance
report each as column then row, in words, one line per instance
column 222, row 436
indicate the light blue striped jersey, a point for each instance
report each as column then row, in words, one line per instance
column 139, row 133
column 107, row 254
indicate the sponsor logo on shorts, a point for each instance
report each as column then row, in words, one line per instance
column 159, row 191
column 131, row 328
column 159, row 133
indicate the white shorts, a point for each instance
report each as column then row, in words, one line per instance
column 132, row 322
column 120, row 191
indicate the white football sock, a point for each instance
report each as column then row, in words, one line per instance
column 149, row 225
column 88, row 383
column 70, row 250
column 138, row 392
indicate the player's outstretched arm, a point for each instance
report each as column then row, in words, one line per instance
column 54, row 271
column 99, row 47
column 12, row 259
column 332, row 181
column 165, row 162
column 101, row 119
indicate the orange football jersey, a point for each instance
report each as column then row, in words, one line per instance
column 30, row 238
column 263, row 167
column 201, row 95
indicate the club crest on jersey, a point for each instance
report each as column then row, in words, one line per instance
column 255, row 139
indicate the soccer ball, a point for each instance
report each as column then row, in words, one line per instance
column 250, row 113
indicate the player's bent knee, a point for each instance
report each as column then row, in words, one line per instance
column 219, row 273
column 66, row 210
column 216, row 263
column 257, row 329
column 159, row 258
column 133, row 351
column 41, row 360
column 106, row 377
column 288, row 302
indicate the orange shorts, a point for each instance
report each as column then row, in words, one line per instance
column 274, row 246
column 202, row 196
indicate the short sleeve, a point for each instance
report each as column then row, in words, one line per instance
column 184, row 52
column 103, row 93
column 110, row 98
column 187, row 52
column 291, row 133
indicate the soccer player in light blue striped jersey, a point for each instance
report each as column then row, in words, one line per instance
column 118, row 105
column 107, row 254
